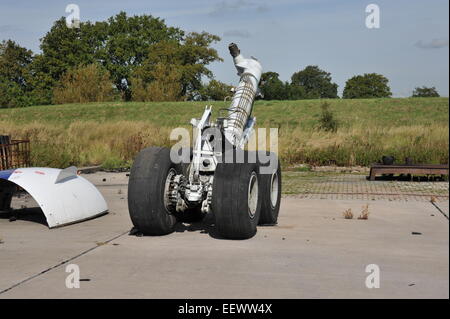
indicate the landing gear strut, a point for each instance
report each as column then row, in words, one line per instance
column 217, row 176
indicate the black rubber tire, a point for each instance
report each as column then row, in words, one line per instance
column 269, row 212
column 146, row 192
column 230, row 200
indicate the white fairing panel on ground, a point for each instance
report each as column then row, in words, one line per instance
column 63, row 196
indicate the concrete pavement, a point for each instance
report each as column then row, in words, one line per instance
column 313, row 253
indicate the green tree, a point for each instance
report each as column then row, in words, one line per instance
column 65, row 48
column 295, row 92
column 164, row 86
column 41, row 82
column 90, row 83
column 125, row 46
column 272, row 88
column 215, row 91
column 11, row 95
column 15, row 64
column 120, row 44
column 316, row 83
column 190, row 56
column 128, row 43
column 425, row 92
column 369, row 85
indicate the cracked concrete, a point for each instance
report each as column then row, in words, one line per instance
column 313, row 253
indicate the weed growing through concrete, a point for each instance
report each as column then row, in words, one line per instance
column 348, row 214
column 365, row 212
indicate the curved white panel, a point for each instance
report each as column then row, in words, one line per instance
column 63, row 196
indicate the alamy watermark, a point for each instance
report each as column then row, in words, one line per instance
column 373, row 279
column 260, row 149
column 73, row 279
column 373, row 17
column 73, row 19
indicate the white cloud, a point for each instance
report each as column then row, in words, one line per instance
column 433, row 44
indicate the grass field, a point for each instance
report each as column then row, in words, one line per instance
column 112, row 133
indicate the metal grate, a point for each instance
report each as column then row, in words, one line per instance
column 14, row 153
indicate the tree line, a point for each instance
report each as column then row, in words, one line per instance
column 140, row 58
column 124, row 57
column 314, row 83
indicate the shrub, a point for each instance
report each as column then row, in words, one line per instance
column 165, row 85
column 87, row 83
column 272, row 88
column 12, row 95
column 367, row 86
column 425, row 92
column 215, row 91
column 348, row 214
column 327, row 122
column 315, row 82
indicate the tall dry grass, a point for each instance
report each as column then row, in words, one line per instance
column 87, row 143
column 363, row 145
column 117, row 143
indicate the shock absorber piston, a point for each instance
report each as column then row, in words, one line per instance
column 242, row 102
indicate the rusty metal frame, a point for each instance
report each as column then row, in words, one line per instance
column 14, row 153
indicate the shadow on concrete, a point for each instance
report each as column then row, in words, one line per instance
column 205, row 226
column 30, row 214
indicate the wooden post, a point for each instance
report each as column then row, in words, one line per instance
column 372, row 174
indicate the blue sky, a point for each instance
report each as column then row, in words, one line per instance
column 410, row 47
